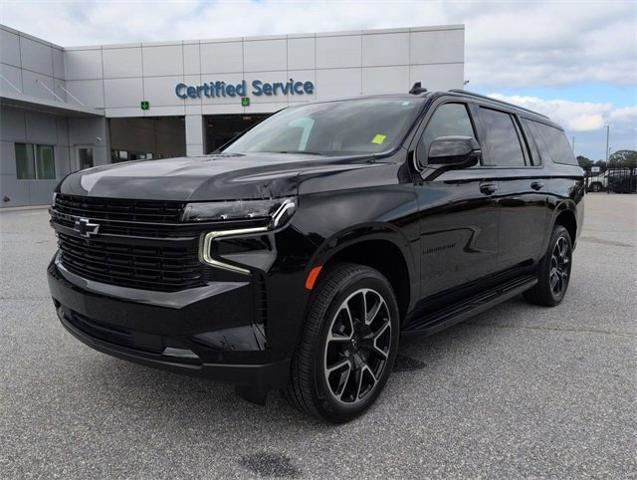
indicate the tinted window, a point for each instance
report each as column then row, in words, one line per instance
column 44, row 162
column 448, row 119
column 24, row 161
column 501, row 145
column 552, row 143
column 535, row 158
column 355, row 126
column 34, row 162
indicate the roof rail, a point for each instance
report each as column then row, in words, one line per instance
column 495, row 100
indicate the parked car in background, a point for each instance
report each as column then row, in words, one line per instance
column 598, row 183
column 618, row 180
column 295, row 258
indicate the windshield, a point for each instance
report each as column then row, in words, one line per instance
column 332, row 128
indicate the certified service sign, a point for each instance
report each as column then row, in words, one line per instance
column 258, row 88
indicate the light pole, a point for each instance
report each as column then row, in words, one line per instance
column 607, row 146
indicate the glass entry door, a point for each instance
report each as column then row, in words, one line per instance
column 84, row 156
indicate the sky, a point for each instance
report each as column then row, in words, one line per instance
column 573, row 60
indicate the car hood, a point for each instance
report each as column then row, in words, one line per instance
column 213, row 177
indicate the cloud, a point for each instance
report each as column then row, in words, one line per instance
column 585, row 122
column 555, row 43
column 577, row 116
column 514, row 44
column 625, row 116
column 509, row 45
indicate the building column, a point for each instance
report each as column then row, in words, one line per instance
column 194, row 135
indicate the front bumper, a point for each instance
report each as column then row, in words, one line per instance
column 212, row 331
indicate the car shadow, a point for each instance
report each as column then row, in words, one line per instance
column 191, row 402
column 196, row 411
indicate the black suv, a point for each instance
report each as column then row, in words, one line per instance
column 295, row 257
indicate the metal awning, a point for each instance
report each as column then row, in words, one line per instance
column 48, row 106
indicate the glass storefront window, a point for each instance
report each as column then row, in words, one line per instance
column 24, row 161
column 34, row 162
column 124, row 156
column 44, row 162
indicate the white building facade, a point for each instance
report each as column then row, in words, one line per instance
column 62, row 109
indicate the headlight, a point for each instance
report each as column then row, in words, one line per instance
column 267, row 215
column 277, row 211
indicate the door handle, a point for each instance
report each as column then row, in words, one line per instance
column 488, row 188
column 537, row 185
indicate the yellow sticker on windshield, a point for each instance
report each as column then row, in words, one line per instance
column 379, row 139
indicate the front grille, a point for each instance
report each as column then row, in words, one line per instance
column 144, row 267
column 154, row 211
column 152, row 251
column 129, row 218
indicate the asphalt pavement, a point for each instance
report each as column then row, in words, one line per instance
column 518, row 392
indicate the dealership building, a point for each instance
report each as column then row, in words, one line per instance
column 64, row 109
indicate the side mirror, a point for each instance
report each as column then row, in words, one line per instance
column 454, row 152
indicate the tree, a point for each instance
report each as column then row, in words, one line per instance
column 601, row 164
column 584, row 162
column 623, row 159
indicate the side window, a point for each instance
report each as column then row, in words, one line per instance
column 534, row 145
column 552, row 143
column 448, row 119
column 501, row 145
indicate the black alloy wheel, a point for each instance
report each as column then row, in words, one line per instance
column 357, row 346
column 348, row 345
column 560, row 267
column 553, row 271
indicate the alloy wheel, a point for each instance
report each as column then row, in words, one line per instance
column 357, row 347
column 560, row 267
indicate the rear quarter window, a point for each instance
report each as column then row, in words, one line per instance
column 501, row 145
column 552, row 143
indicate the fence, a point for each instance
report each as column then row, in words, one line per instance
column 617, row 180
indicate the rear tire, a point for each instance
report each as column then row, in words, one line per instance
column 348, row 346
column 554, row 270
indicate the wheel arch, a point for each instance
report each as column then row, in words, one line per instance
column 383, row 249
column 567, row 213
column 566, row 218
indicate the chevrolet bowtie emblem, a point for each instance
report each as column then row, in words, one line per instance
column 85, row 228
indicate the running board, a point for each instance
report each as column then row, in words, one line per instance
column 458, row 312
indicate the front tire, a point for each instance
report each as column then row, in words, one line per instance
column 348, row 346
column 554, row 270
